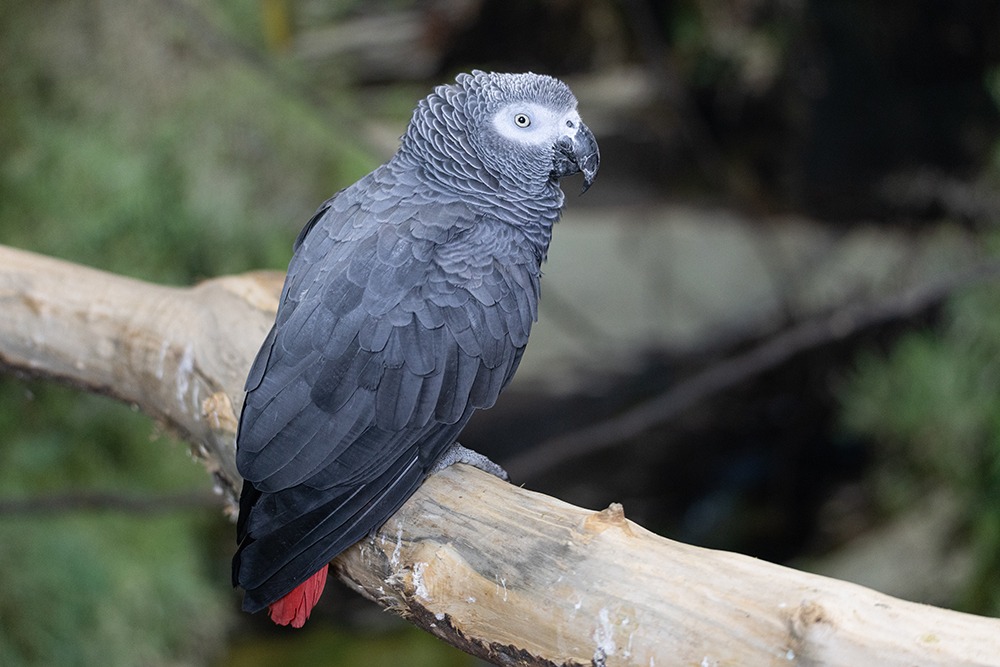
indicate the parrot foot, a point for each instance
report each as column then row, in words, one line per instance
column 459, row 454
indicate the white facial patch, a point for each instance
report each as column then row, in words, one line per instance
column 530, row 123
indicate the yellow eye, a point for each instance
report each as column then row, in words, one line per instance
column 522, row 120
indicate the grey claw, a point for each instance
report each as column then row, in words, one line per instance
column 459, row 454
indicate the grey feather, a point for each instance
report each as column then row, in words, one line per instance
column 407, row 306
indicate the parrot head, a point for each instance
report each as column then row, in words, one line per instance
column 516, row 133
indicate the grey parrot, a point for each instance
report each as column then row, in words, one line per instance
column 407, row 306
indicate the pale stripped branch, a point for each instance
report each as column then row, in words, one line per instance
column 511, row 575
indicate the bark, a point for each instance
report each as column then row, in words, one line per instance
column 507, row 574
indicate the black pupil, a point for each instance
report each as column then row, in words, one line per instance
column 522, row 119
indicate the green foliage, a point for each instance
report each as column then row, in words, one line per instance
column 105, row 590
column 132, row 142
column 932, row 405
column 99, row 589
column 741, row 52
column 207, row 167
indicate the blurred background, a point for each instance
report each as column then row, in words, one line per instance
column 772, row 326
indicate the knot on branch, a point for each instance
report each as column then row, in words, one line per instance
column 611, row 517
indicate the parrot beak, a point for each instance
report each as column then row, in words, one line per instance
column 589, row 156
column 577, row 154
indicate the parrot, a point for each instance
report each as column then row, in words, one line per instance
column 406, row 307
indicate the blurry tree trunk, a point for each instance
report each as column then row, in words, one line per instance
column 507, row 574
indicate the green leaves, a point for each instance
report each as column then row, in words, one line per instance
column 932, row 407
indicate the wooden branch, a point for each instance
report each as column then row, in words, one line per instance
column 510, row 575
column 179, row 354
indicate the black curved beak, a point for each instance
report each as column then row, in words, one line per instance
column 578, row 154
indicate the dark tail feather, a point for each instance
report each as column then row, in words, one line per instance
column 268, row 566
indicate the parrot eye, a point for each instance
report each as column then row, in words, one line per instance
column 522, row 120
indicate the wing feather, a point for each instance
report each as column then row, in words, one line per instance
column 385, row 342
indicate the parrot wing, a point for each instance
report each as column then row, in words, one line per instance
column 383, row 346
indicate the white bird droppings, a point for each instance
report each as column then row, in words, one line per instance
column 185, row 369
column 394, row 559
column 604, row 634
column 164, row 346
column 419, row 587
column 501, row 583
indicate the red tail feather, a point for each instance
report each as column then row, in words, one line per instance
column 294, row 608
